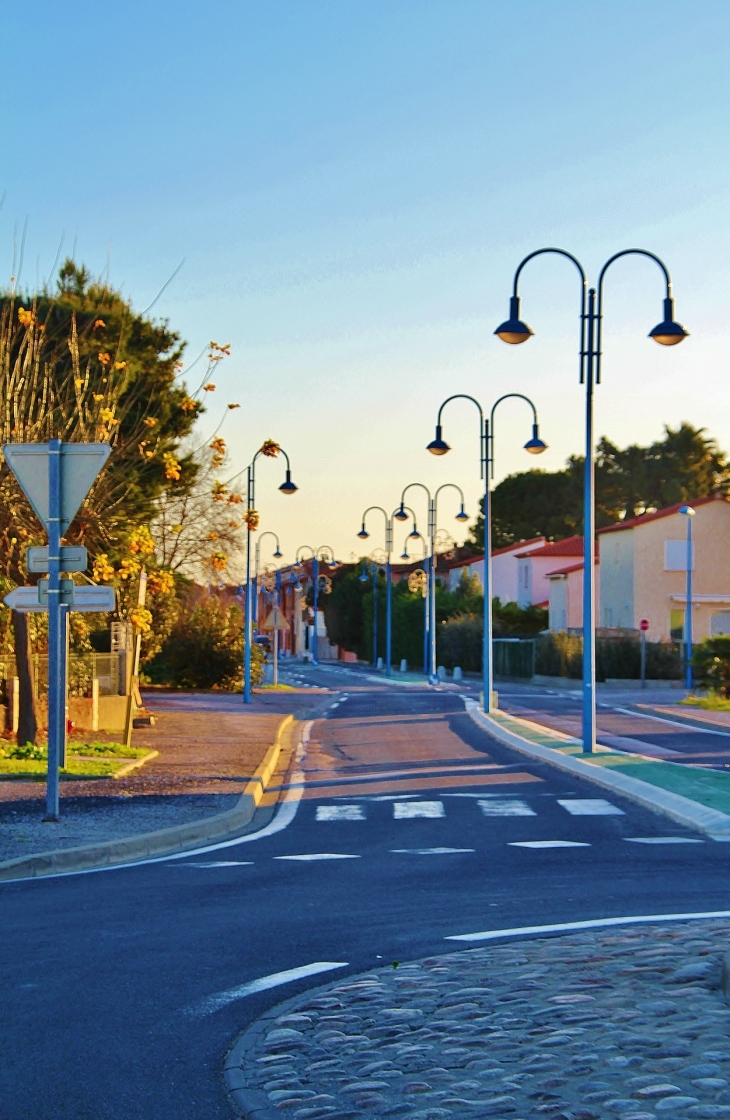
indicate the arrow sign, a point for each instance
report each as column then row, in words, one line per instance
column 74, row 558
column 80, row 465
column 275, row 621
column 85, row 600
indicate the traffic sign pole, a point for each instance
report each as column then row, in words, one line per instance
column 56, row 637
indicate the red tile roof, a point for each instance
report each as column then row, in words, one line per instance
column 477, row 557
column 568, row 570
column 643, row 518
column 571, row 546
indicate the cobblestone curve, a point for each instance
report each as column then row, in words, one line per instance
column 626, row 1024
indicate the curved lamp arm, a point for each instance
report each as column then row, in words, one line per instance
column 461, row 515
column 438, row 446
column 325, row 548
column 490, row 430
column 415, row 534
column 363, row 531
column 668, row 299
column 301, row 546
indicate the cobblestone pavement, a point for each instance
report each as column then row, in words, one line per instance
column 626, row 1022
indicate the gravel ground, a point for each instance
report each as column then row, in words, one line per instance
column 627, row 1023
column 88, row 820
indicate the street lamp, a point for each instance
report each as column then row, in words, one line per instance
column 363, row 535
column 402, row 515
column 535, row 446
column 325, row 555
column 419, row 583
column 667, row 333
column 689, row 514
column 277, row 554
column 269, row 450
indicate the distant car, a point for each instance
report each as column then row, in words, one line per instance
column 264, row 641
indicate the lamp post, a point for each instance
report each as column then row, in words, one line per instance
column 256, row 567
column 535, row 446
column 423, row 585
column 667, row 333
column 369, row 566
column 269, row 450
column 402, row 515
column 316, row 557
column 689, row 514
column 363, row 535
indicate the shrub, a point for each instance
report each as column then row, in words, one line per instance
column 205, row 650
column 711, row 664
column 617, row 657
column 460, row 642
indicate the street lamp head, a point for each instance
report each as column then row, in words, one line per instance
column 687, row 511
column 535, row 446
column 438, row 446
column 332, row 564
column 513, row 330
column 404, row 555
column 415, row 534
column 400, row 514
column 363, row 534
column 363, row 576
column 288, row 487
column 278, row 554
column 669, row 332
column 462, row 515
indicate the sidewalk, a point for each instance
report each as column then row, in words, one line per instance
column 209, row 747
column 625, row 1022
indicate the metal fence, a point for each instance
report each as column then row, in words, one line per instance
column 82, row 669
column 514, row 657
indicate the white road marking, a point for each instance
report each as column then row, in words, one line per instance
column 430, row 851
column 661, row 840
column 673, row 723
column 340, row 813
column 221, row 863
column 319, row 855
column 547, row 844
column 383, row 797
column 405, row 810
column 596, row 923
column 590, row 807
column 221, row 999
column 506, row 807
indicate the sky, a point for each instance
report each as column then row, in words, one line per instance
column 350, row 186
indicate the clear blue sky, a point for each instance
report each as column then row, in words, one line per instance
column 351, row 185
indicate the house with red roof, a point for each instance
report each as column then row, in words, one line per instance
column 505, row 574
column 643, row 571
column 534, row 567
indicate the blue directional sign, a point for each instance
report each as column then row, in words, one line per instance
column 80, row 464
column 74, row 558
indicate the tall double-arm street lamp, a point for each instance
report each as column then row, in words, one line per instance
column 535, row 446
column 667, row 333
column 402, row 515
column 256, row 568
column 269, row 450
column 363, row 535
column 326, row 555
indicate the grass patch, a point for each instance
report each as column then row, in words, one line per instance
column 275, row 688
column 30, row 752
column 76, row 768
column 712, row 702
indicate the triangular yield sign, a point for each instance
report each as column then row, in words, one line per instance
column 80, row 465
column 275, row 621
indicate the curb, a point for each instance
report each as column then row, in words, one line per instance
column 681, row 809
column 135, row 764
column 166, row 841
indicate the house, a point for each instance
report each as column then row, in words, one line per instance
column 504, row 569
column 565, row 596
column 643, row 571
column 535, row 565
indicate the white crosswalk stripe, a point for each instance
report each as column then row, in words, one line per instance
column 340, row 813
column 590, row 807
column 404, row 810
column 506, row 807
column 547, row 844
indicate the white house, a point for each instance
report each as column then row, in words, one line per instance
column 504, row 569
column 534, row 566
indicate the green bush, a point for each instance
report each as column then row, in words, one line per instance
column 205, row 650
column 711, row 665
column 617, row 658
column 459, row 642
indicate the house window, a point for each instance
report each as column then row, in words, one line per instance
column 675, row 556
column 676, row 625
column 608, row 617
column 720, row 624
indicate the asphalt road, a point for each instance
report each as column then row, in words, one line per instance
column 122, row 990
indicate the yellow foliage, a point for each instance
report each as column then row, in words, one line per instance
column 234, row 406
column 25, row 318
column 270, row 448
column 105, row 358
column 251, row 517
column 102, row 570
column 189, row 405
column 129, row 568
column 160, row 582
column 218, row 561
column 99, row 323
column 219, row 492
column 209, row 388
column 150, row 422
column 142, row 619
column 141, row 541
column 172, row 467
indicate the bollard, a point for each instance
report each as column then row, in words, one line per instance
column 380, row 663
column 403, row 665
column 441, row 672
column 12, row 693
column 458, row 675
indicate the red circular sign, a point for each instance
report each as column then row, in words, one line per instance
column 644, row 624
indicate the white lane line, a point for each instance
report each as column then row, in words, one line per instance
column 215, row 1002
column 221, row 863
column 430, row 851
column 319, row 855
column 673, row 723
column 339, row 813
column 383, row 797
column 506, row 807
column 547, row 844
column 406, row 810
column 661, row 840
column 590, row 807
column 595, row 923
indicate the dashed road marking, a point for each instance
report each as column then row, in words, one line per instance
column 430, row 851
column 310, row 857
column 339, row 813
column 405, row 810
column 505, row 807
column 218, row 863
column 547, row 844
column 590, row 807
column 215, row 1002
column 662, row 840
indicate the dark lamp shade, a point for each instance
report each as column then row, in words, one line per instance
column 278, row 555
column 363, row 534
column 438, row 446
column 400, row 514
column 669, row 332
column 462, row 515
column 513, row 330
column 288, row 487
column 414, row 533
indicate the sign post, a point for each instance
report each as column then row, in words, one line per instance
column 55, row 477
column 276, row 621
column 643, row 627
